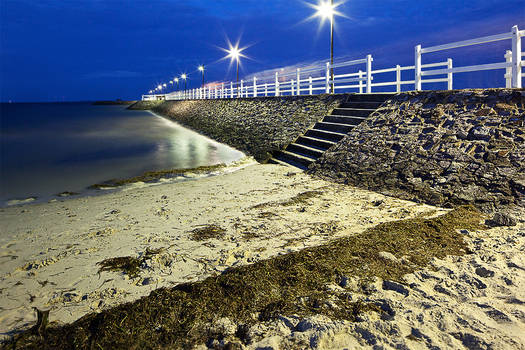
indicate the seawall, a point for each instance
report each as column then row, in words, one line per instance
column 256, row 126
column 443, row 148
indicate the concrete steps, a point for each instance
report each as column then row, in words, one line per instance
column 326, row 133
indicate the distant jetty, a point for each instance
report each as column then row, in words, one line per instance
column 111, row 103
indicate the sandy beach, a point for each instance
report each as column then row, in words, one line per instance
column 50, row 253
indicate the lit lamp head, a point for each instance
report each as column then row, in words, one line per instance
column 171, row 81
column 201, row 68
column 164, row 85
column 176, row 80
column 234, row 53
column 325, row 10
column 184, row 76
column 159, row 87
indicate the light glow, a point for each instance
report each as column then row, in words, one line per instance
column 159, row 87
column 184, row 76
column 201, row 68
column 325, row 10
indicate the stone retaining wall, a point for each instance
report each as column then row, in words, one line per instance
column 443, row 148
column 144, row 105
column 255, row 126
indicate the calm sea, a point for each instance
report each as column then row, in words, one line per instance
column 49, row 148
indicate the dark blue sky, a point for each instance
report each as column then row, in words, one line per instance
column 70, row 50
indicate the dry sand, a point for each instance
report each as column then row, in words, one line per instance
column 49, row 254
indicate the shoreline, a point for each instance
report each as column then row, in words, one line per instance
column 149, row 178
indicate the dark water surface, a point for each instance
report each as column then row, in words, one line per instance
column 48, row 148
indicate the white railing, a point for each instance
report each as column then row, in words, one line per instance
column 318, row 79
column 512, row 65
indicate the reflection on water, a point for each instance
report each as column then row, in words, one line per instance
column 49, row 148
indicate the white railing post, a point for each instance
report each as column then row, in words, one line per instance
column 276, row 83
column 298, row 74
column 310, row 87
column 360, row 81
column 215, row 92
column 265, row 89
column 369, row 60
column 292, row 90
column 222, row 90
column 327, row 78
column 516, row 57
column 417, row 71
column 242, row 88
column 450, row 76
column 254, row 87
column 398, row 78
column 508, row 70
column 231, row 89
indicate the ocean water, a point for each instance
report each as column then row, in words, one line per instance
column 49, row 148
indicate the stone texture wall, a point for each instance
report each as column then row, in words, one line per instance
column 443, row 148
column 255, row 126
column 144, row 105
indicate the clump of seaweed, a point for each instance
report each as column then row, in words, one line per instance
column 127, row 264
column 295, row 283
column 152, row 176
column 301, row 198
column 207, row 232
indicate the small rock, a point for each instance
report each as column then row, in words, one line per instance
column 387, row 256
column 501, row 219
column 147, row 281
column 483, row 272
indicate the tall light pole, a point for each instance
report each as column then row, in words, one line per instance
column 326, row 10
column 177, row 81
column 235, row 54
column 201, row 68
column 183, row 77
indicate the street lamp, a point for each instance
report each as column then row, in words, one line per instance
column 177, row 81
column 234, row 53
column 326, row 10
column 201, row 68
column 184, row 76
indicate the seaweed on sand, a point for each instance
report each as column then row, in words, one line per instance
column 206, row 232
column 151, row 176
column 127, row 264
column 295, row 283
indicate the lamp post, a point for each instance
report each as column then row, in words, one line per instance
column 234, row 53
column 177, row 81
column 184, row 76
column 201, row 68
column 326, row 10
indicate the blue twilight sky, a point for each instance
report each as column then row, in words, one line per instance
column 70, row 50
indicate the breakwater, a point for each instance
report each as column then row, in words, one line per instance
column 256, row 126
column 444, row 148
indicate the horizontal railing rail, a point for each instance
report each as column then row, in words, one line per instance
column 358, row 75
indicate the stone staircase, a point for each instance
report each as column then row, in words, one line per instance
column 326, row 133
